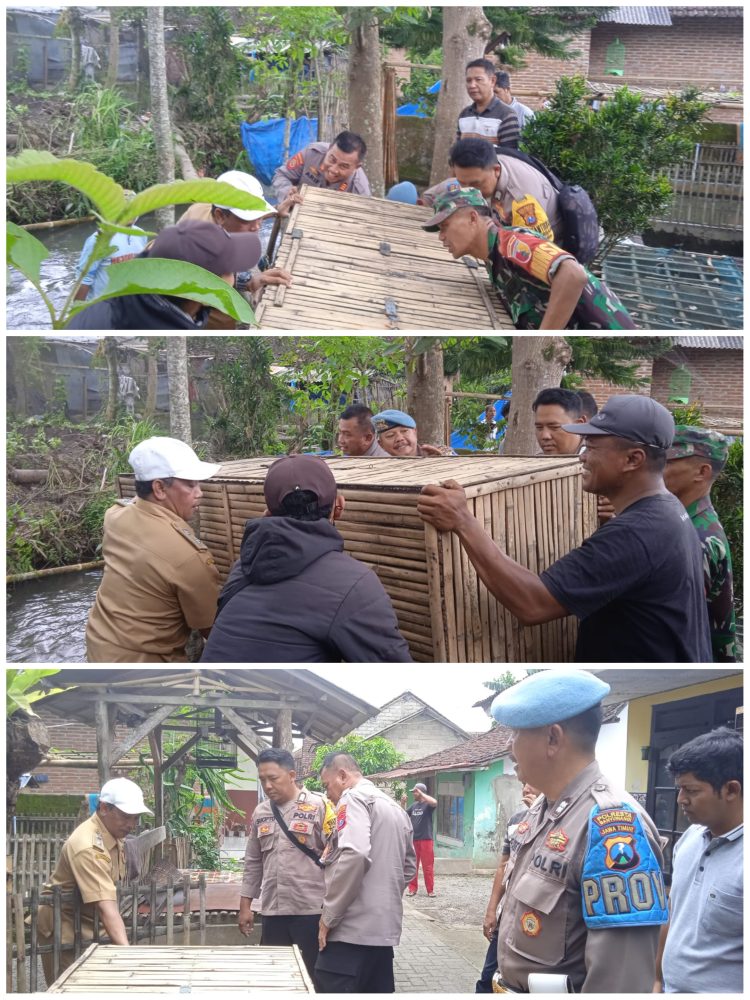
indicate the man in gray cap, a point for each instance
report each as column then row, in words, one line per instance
column 294, row 595
column 584, row 892
column 420, row 813
column 160, row 582
column 636, row 585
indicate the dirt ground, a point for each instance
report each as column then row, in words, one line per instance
column 460, row 901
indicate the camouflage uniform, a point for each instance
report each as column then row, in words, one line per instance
column 717, row 559
column 521, row 265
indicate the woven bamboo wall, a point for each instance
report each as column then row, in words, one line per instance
column 533, row 507
column 366, row 263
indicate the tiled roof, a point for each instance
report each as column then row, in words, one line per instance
column 653, row 16
column 685, row 11
column 711, row 343
column 477, row 752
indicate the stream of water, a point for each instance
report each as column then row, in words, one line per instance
column 46, row 618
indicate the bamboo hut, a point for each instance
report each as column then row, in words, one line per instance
column 534, row 508
column 366, row 263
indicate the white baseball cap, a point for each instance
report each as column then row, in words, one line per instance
column 163, row 457
column 250, row 185
column 125, row 795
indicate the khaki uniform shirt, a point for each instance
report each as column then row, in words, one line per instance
column 286, row 880
column 369, row 862
column 541, row 925
column 93, row 860
column 159, row 582
column 304, row 168
column 518, row 188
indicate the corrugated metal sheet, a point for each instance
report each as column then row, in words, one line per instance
column 652, row 16
column 711, row 343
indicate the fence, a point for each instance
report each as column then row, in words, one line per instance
column 47, row 826
column 148, row 910
column 708, row 190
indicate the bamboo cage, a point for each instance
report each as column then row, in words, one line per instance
column 105, row 969
column 534, row 508
column 366, row 263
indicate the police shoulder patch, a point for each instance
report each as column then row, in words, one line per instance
column 621, row 881
column 341, row 818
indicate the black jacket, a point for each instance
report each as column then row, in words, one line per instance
column 137, row 312
column 305, row 601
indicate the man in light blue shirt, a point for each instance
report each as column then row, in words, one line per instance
column 503, row 92
column 122, row 246
column 700, row 949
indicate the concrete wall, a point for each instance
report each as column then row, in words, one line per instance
column 497, row 796
column 405, row 704
column 415, row 141
column 421, row 736
column 639, row 724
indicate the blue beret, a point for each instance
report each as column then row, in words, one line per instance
column 547, row 697
column 386, row 419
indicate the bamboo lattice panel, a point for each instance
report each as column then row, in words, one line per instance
column 333, row 246
column 534, row 508
column 107, row 969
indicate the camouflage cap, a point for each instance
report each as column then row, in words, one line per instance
column 449, row 202
column 698, row 441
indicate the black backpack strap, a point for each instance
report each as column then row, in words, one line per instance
column 288, row 833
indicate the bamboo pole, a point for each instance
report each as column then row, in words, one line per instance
column 37, row 574
column 57, row 223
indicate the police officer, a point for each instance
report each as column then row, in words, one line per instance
column 93, row 859
column 369, row 860
column 694, row 463
column 160, row 581
column 584, row 893
column 282, row 864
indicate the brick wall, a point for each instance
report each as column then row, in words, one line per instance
column 692, row 49
column 716, row 378
column 541, row 74
column 421, row 736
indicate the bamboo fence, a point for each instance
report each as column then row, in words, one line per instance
column 259, row 970
column 366, row 263
column 533, row 508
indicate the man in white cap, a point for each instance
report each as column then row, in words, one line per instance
column 240, row 220
column 636, row 585
column 584, row 893
column 160, row 580
column 93, row 861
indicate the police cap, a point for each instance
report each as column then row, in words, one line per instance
column 547, row 697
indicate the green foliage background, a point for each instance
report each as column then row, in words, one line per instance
column 372, row 755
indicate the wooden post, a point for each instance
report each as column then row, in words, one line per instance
column 170, row 909
column 103, row 743
column 186, row 910
column 152, row 911
column 202, row 904
column 9, row 942
column 20, row 943
column 56, row 930
column 134, row 924
column 282, row 730
column 45, row 65
column 77, row 935
column 154, row 742
column 34, row 942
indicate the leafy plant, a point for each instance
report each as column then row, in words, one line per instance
column 372, row 755
column 618, row 153
column 727, row 496
column 690, row 415
column 22, row 688
column 116, row 214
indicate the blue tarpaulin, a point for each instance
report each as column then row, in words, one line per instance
column 417, row 110
column 264, row 142
column 461, row 441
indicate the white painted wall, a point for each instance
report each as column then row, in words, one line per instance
column 611, row 747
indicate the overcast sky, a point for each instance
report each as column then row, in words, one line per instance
column 450, row 689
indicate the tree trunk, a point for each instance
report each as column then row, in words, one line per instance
column 152, row 379
column 538, row 363
column 162, row 126
column 365, row 94
column 27, row 744
column 179, row 396
column 425, row 400
column 110, row 353
column 76, row 33
column 282, row 730
column 465, row 33
column 114, row 47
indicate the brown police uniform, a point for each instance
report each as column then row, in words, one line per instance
column 94, row 861
column 304, row 168
column 289, row 883
column 159, row 582
column 542, row 928
column 369, row 861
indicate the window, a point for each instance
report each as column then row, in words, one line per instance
column 451, row 816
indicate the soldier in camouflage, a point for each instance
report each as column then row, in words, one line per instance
column 542, row 286
column 694, row 462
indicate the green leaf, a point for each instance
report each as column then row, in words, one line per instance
column 19, row 684
column 157, row 276
column 25, row 252
column 110, row 227
column 184, row 192
column 33, row 165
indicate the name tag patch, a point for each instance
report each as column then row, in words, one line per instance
column 621, row 881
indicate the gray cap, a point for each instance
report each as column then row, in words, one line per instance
column 421, row 786
column 636, row 418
